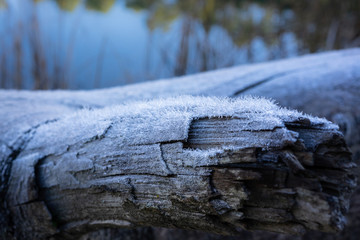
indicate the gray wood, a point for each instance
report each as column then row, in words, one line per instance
column 323, row 84
column 187, row 162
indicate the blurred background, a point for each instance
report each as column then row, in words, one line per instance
column 85, row 44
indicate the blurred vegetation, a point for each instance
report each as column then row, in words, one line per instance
column 21, row 39
column 67, row 5
column 319, row 25
column 99, row 5
column 3, row 4
column 315, row 26
column 311, row 21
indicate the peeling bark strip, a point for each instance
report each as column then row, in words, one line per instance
column 216, row 165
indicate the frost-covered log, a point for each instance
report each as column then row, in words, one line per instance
column 325, row 84
column 322, row 84
column 216, row 165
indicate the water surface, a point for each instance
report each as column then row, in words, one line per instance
column 83, row 44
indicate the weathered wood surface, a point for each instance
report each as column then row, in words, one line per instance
column 187, row 162
column 324, row 84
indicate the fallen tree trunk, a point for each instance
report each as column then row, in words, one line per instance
column 323, row 84
column 192, row 163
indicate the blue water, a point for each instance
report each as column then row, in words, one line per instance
column 119, row 45
column 121, row 34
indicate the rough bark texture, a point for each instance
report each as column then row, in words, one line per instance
column 188, row 162
column 323, row 84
